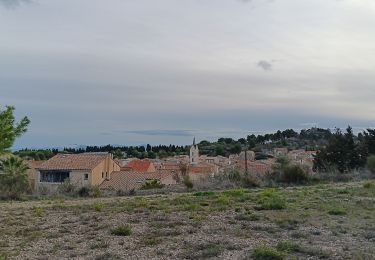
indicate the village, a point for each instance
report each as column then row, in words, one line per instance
column 101, row 170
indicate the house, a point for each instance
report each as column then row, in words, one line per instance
column 86, row 169
column 126, row 181
column 141, row 166
column 280, row 151
column 257, row 168
column 248, row 155
column 32, row 172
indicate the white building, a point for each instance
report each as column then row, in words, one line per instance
column 194, row 153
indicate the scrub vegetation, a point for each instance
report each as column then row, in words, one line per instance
column 332, row 221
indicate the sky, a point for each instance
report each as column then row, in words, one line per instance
column 94, row 72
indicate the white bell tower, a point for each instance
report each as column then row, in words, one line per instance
column 194, row 153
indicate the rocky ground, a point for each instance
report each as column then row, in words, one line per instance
column 333, row 221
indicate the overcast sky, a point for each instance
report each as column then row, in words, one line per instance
column 146, row 71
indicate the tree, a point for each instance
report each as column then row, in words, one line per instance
column 236, row 149
column 220, row 150
column 371, row 164
column 9, row 129
column 117, row 154
column 242, row 141
column 342, row 152
column 13, row 178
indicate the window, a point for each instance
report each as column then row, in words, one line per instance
column 86, row 176
column 102, row 175
column 54, row 176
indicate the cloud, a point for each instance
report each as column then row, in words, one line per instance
column 161, row 132
column 13, row 4
column 253, row 1
column 265, row 65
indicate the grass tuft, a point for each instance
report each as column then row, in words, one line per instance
column 122, row 230
column 267, row 253
column 270, row 199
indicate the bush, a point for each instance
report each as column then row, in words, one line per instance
column 267, row 253
column 369, row 185
column 13, row 178
column 271, row 199
column 98, row 206
column 294, row 174
column 39, row 212
column 250, row 181
column 66, row 187
column 90, row 191
column 84, row 191
column 122, row 230
column 371, row 164
column 231, row 175
column 288, row 246
column 152, row 184
column 248, row 216
column 187, row 182
column 337, row 211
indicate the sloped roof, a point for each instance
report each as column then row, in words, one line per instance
column 139, row 165
column 85, row 161
column 34, row 164
column 125, row 180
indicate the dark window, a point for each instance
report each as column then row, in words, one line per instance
column 86, row 176
column 54, row 176
column 102, row 175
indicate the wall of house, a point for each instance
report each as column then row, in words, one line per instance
column 77, row 178
column 32, row 176
column 106, row 167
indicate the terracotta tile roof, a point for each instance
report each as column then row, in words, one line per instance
column 139, row 165
column 125, row 180
column 85, row 161
column 34, row 164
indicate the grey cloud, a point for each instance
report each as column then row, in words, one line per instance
column 13, row 4
column 161, row 132
column 265, row 65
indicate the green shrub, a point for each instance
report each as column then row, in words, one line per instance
column 250, row 181
column 122, row 230
column 187, row 182
column 231, row 175
column 67, row 187
column 271, row 199
column 90, row 191
column 248, row 216
column 371, row 163
column 337, row 211
column 98, row 206
column 84, row 191
column 152, row 184
column 294, row 174
column 267, row 253
column 95, row 192
column 369, row 185
column 288, row 246
column 13, row 178
column 39, row 212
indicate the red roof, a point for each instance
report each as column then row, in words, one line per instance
column 34, row 164
column 139, row 165
column 84, row 161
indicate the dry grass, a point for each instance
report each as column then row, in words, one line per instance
column 326, row 221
